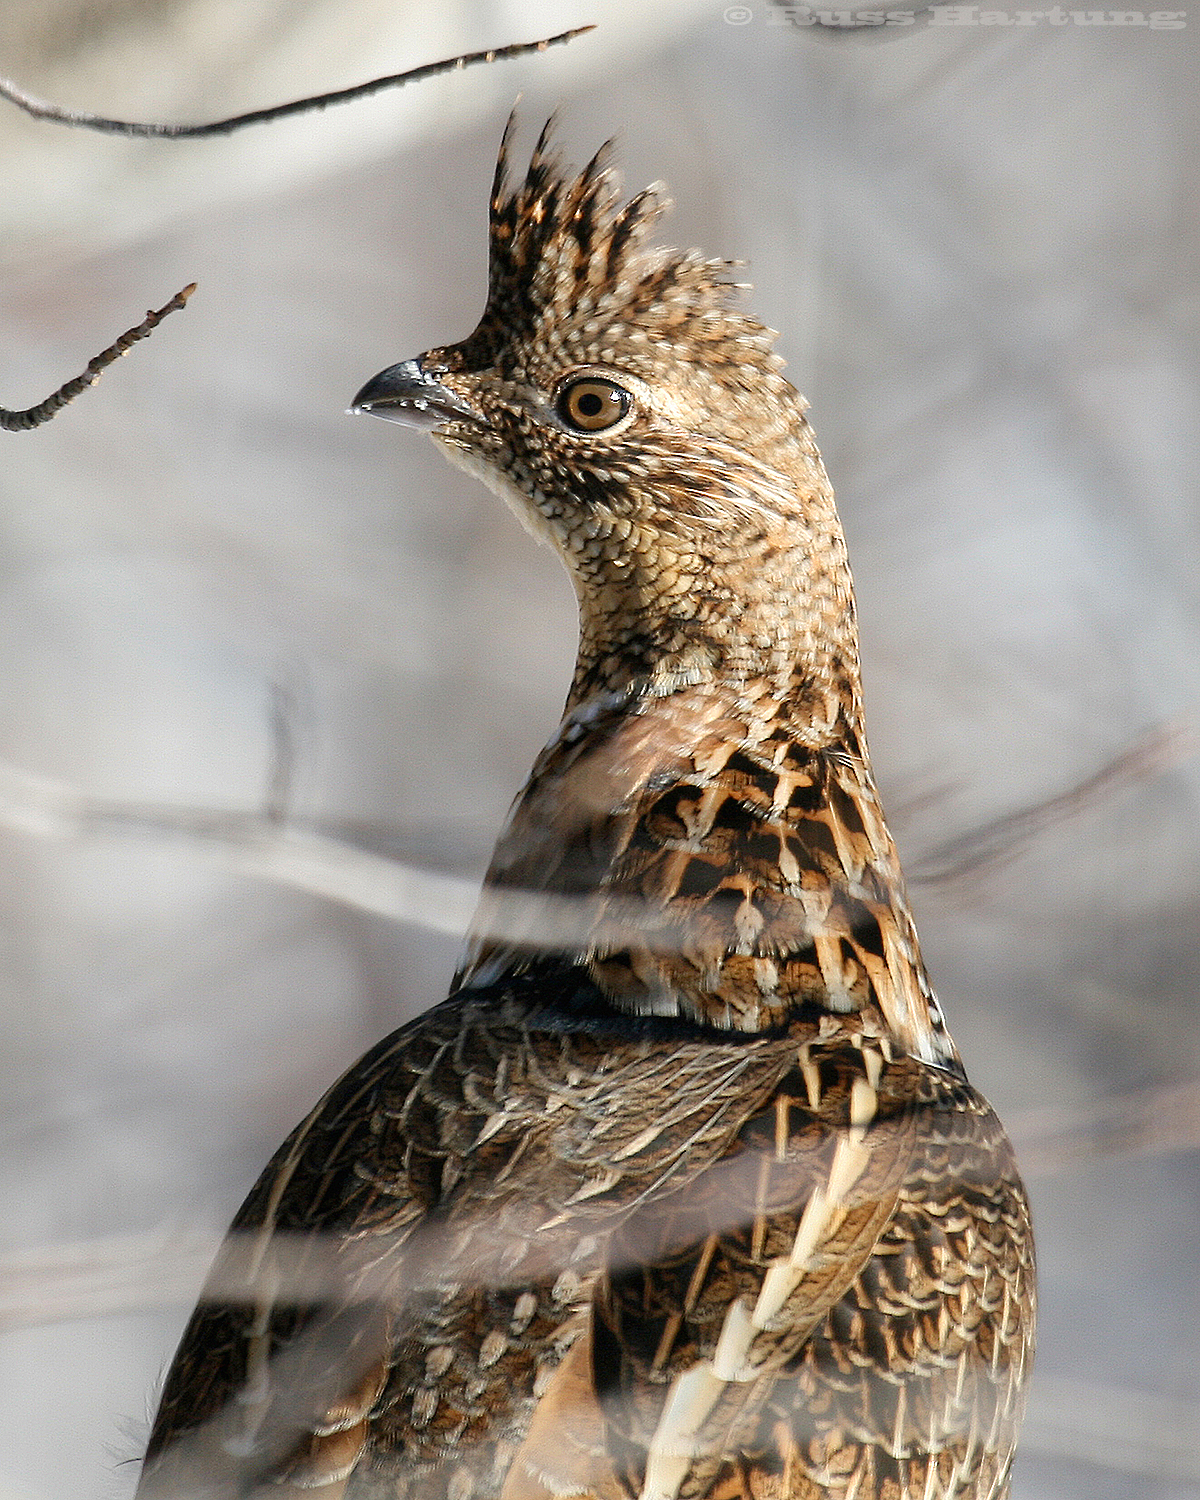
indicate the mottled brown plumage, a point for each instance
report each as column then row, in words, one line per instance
column 683, row 1191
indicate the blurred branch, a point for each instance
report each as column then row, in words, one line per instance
column 1145, row 1433
column 1164, row 1118
column 1009, row 836
column 250, row 844
column 100, row 1277
column 284, row 730
column 82, row 119
column 34, row 416
column 114, row 1274
column 259, row 845
column 265, row 846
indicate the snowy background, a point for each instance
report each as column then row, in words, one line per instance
column 220, row 595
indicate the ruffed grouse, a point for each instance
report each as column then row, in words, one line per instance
column 683, row 1192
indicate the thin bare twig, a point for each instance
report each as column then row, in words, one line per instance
column 84, row 120
column 34, row 416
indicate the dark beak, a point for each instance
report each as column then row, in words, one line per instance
column 406, row 393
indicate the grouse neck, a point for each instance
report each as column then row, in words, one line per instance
column 766, row 617
column 716, row 855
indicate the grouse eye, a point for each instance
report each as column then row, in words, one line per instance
column 592, row 404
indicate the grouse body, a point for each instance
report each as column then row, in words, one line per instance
column 683, row 1192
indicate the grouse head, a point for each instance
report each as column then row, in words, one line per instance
column 637, row 419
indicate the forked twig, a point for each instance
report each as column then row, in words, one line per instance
column 34, row 416
column 41, row 110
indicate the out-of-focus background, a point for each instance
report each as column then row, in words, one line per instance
column 220, row 597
